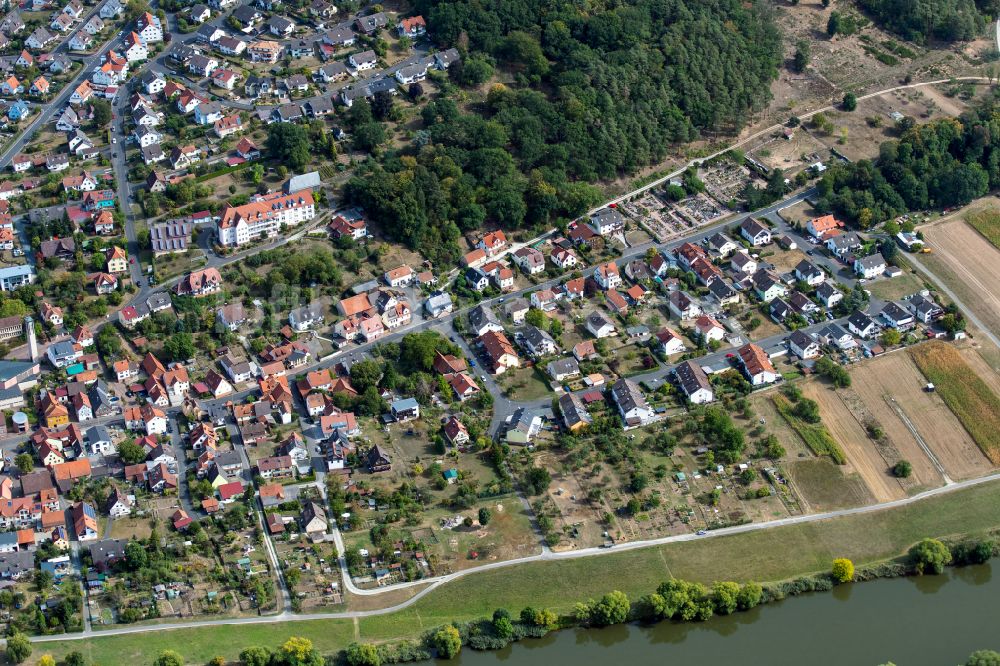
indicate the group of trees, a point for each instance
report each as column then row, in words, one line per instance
column 597, row 94
column 945, row 163
column 405, row 366
column 920, row 20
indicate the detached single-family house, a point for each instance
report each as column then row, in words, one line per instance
column 755, row 232
column 803, row 345
column 631, row 403
column 693, row 383
column 756, row 365
column 871, row 266
column 861, row 324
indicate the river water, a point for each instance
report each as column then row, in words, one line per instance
column 928, row 621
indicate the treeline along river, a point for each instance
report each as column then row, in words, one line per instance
column 916, row 621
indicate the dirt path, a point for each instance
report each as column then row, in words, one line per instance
column 860, row 450
column 946, row 104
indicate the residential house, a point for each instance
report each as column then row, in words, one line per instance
column 693, row 383
column 607, row 221
column 537, row 342
column 924, row 309
column 756, row 365
column 809, row 273
column 482, row 319
column 820, row 227
column 670, row 342
column 369, row 25
column 563, row 368
column 743, row 263
column 721, row 245
column 599, row 325
column 897, row 317
column 828, row 294
column 499, row 352
column 523, row 426
column 405, row 409
column 803, row 345
column 412, row 27
column 768, row 285
column 871, row 266
column 631, row 403
column 755, row 232
column 844, row 244
column 529, row 260
column 607, row 276
column 574, row 413
column 564, row 258
column 682, row 306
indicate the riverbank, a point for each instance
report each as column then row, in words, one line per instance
column 766, row 555
column 917, row 621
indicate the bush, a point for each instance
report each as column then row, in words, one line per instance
column 930, row 556
column 903, row 469
column 447, row 641
column 843, row 570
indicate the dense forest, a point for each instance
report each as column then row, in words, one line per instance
column 594, row 95
column 920, row 20
column 945, row 163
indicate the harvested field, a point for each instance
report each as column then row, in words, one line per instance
column 891, row 384
column 980, row 365
column 862, row 457
column 986, row 222
column 969, row 397
column 869, row 387
column 823, row 486
column 969, row 264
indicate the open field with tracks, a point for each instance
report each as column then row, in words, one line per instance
column 969, row 397
column 862, row 457
column 912, row 414
column 969, row 265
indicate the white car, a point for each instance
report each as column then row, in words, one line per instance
column 114, row 139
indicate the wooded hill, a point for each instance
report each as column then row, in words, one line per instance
column 597, row 94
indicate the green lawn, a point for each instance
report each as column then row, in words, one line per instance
column 525, row 384
column 893, row 289
column 764, row 555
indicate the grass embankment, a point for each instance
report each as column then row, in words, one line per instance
column 764, row 555
column 987, row 223
column 815, row 435
column 975, row 405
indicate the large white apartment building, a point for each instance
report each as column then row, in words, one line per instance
column 264, row 216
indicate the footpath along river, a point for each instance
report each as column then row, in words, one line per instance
column 929, row 621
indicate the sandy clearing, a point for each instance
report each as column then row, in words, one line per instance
column 859, row 449
column 949, row 105
column 897, row 376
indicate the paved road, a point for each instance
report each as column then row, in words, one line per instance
column 50, row 109
column 546, row 556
